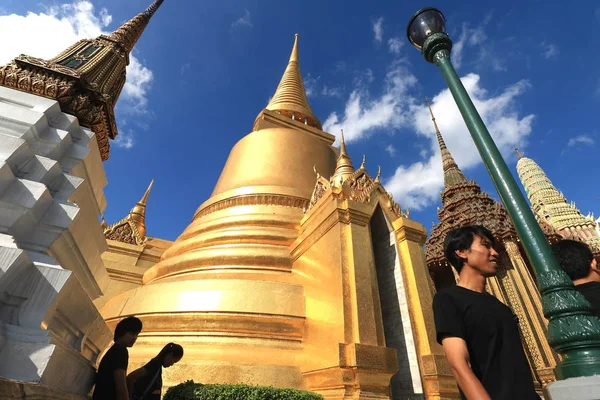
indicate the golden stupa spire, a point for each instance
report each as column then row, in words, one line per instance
column 452, row 174
column 86, row 79
column 131, row 229
column 290, row 97
column 343, row 166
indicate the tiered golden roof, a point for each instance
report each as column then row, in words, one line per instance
column 552, row 207
column 86, row 79
column 290, row 97
column 356, row 185
column 463, row 203
column 132, row 228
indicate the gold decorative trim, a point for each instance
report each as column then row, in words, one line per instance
column 228, row 324
column 91, row 112
column 125, row 231
column 359, row 187
column 254, row 200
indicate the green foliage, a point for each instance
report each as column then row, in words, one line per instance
column 196, row 391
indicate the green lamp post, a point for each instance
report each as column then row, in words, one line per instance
column 573, row 331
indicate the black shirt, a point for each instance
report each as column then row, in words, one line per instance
column 115, row 358
column 153, row 367
column 491, row 332
column 591, row 292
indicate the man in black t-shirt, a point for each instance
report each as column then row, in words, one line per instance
column 578, row 261
column 112, row 372
column 480, row 334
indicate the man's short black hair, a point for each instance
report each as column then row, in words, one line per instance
column 462, row 239
column 129, row 324
column 574, row 257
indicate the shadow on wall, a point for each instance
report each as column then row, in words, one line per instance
column 385, row 254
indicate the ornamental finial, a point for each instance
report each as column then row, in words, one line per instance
column 519, row 154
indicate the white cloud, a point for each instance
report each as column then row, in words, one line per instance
column 419, row 184
column 364, row 78
column 483, row 54
column 549, row 51
column 185, row 67
column 468, row 37
column 313, row 87
column 125, row 139
column 310, row 85
column 243, row 21
column 364, row 115
column 378, row 29
column 391, row 150
column 581, row 139
column 395, row 44
column 136, row 87
column 47, row 33
column 332, row 91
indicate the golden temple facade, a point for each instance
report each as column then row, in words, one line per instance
column 463, row 203
column 551, row 206
column 299, row 271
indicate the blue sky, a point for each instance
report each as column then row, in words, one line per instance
column 203, row 70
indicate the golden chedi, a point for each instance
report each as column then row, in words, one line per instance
column 294, row 280
column 551, row 207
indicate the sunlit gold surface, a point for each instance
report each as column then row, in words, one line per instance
column 274, row 280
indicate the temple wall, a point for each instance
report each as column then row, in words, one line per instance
column 51, row 192
column 406, row 383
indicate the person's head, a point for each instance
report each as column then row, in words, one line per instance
column 170, row 354
column 575, row 258
column 127, row 331
column 471, row 245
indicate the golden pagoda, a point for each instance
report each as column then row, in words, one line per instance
column 551, row 206
column 86, row 79
column 463, row 203
column 299, row 271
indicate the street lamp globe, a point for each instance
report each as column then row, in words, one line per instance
column 424, row 23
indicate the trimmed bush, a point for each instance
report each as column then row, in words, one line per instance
column 196, row 391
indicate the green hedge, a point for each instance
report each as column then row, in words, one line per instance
column 196, row 391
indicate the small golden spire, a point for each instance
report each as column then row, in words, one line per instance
column 343, row 167
column 343, row 145
column 519, row 154
column 103, row 224
column 363, row 163
column 294, row 56
column 290, row 97
column 378, row 177
column 137, row 214
column 452, row 174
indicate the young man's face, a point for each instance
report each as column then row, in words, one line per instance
column 129, row 338
column 481, row 256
